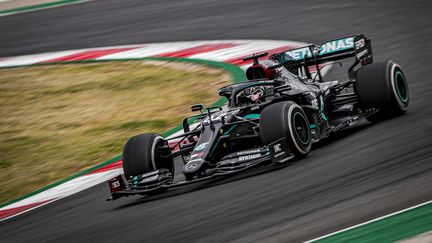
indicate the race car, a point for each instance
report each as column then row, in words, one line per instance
column 275, row 116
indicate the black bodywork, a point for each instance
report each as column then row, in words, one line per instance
column 223, row 140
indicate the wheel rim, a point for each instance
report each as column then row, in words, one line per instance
column 301, row 128
column 156, row 158
column 401, row 86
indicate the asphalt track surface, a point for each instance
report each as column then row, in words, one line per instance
column 363, row 173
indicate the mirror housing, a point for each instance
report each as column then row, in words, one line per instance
column 197, row 107
column 255, row 57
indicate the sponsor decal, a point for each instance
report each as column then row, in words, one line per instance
column 201, row 146
column 360, row 44
column 249, row 157
column 254, row 151
column 326, row 48
column 216, row 118
column 362, row 54
column 191, row 166
column 299, row 54
column 115, row 184
column 337, row 45
column 195, row 160
column 277, row 148
column 196, row 155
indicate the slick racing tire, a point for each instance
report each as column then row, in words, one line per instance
column 383, row 85
column 286, row 120
column 142, row 153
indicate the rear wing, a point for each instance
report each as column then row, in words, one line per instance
column 353, row 46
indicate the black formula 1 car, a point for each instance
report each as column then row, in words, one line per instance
column 270, row 119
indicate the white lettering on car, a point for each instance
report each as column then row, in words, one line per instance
column 362, row 53
column 360, row 43
column 201, row 146
column 277, row 148
column 115, row 184
column 249, row 157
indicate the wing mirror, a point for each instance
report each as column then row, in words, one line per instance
column 255, row 57
column 197, row 107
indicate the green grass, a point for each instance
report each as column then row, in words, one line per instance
column 56, row 120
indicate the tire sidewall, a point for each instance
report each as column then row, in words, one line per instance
column 300, row 147
column 277, row 123
column 394, row 70
column 382, row 86
column 140, row 155
column 157, row 138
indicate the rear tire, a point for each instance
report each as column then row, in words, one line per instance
column 286, row 120
column 141, row 154
column 383, row 85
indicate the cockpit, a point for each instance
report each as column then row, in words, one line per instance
column 248, row 93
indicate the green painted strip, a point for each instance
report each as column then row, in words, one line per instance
column 236, row 73
column 252, row 116
column 397, row 227
column 39, row 6
column 230, row 129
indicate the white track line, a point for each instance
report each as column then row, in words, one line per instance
column 370, row 221
column 63, row 190
column 151, row 50
column 32, row 59
column 242, row 50
column 154, row 49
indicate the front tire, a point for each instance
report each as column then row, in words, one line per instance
column 286, row 120
column 142, row 154
column 383, row 85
